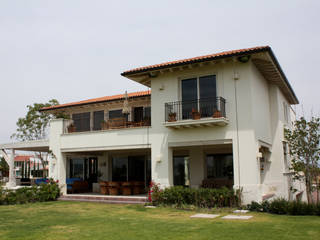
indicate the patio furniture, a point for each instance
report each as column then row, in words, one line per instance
column 138, row 188
column 69, row 182
column 117, row 123
column 126, row 188
column 113, row 188
column 104, row 188
column 80, row 186
column 41, row 181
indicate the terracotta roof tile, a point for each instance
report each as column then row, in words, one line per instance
column 196, row 59
column 99, row 100
column 22, row 158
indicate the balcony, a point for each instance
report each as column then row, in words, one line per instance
column 83, row 125
column 196, row 113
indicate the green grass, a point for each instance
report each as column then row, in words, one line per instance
column 79, row 220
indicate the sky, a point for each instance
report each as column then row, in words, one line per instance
column 76, row 49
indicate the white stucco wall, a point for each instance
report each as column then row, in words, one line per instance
column 161, row 136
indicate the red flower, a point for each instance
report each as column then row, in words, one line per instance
column 57, row 181
column 47, row 180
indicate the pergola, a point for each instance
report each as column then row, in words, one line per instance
column 31, row 146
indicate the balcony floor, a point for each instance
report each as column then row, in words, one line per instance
column 203, row 122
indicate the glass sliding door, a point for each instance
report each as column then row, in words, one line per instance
column 119, row 169
column 199, row 94
column 81, row 121
column 98, row 118
column 189, row 96
column 77, row 168
column 131, row 168
column 85, row 168
column 136, row 168
column 181, row 176
column 208, row 94
column 138, row 114
column 220, row 169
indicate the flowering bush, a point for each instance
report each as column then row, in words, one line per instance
column 154, row 193
column 48, row 191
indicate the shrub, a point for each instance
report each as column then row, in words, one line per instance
column 282, row 206
column 202, row 197
column 279, row 206
column 255, row 206
column 45, row 192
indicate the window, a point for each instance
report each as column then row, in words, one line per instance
column 147, row 113
column 202, row 89
column 98, row 118
column 138, row 114
column 286, row 112
column 220, row 166
column 181, row 171
column 81, row 121
column 115, row 114
column 285, row 156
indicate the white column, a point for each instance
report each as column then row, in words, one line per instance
column 12, row 175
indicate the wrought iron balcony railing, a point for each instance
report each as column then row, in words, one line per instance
column 195, row 109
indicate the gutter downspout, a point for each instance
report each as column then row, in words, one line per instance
column 235, row 78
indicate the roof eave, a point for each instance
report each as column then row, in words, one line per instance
column 134, row 72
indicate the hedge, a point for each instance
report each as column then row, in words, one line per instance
column 283, row 206
column 201, row 197
column 49, row 191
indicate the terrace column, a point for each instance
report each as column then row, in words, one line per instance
column 10, row 162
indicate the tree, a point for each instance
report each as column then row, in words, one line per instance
column 34, row 126
column 304, row 149
column 4, row 168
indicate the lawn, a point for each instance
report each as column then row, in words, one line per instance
column 79, row 220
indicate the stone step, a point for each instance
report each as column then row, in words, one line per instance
column 105, row 199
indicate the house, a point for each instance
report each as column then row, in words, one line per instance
column 214, row 120
column 29, row 166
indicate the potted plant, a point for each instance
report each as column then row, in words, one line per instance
column 195, row 114
column 217, row 114
column 71, row 128
column 172, row 117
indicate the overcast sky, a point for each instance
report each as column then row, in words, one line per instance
column 73, row 50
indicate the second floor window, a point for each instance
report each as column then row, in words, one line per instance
column 202, row 89
column 81, row 121
column 98, row 117
column 115, row 114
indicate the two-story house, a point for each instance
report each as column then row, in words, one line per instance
column 214, row 120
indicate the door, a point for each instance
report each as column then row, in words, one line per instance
column 181, row 176
column 208, row 95
column 136, row 168
column 84, row 168
column 92, row 171
column 199, row 94
column 189, row 97
column 138, row 114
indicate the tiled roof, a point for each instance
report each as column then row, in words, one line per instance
column 22, row 158
column 99, row 100
column 196, row 59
